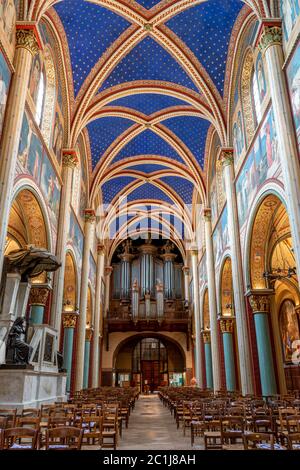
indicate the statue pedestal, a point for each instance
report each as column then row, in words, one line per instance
column 23, row 388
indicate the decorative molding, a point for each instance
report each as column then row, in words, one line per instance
column 226, row 325
column 89, row 215
column 226, row 156
column 260, row 303
column 39, row 295
column 270, row 36
column 89, row 334
column 100, row 248
column 27, row 39
column 108, row 270
column 70, row 319
column 70, row 158
column 186, row 270
column 206, row 336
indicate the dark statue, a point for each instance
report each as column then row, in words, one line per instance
column 17, row 351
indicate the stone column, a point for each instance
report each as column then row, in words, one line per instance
column 27, row 45
column 37, row 299
column 69, row 162
column 69, row 324
column 212, row 301
column 208, row 359
column 243, row 340
column 88, row 234
column 271, row 46
column 98, row 316
column 87, row 353
column 227, row 326
column 186, row 272
column 108, row 272
column 260, row 304
column 194, row 259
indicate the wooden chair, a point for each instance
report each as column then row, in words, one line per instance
column 64, row 438
column 232, row 431
column 109, row 431
column 29, row 422
column 20, row 439
column 11, row 414
column 294, row 441
column 3, row 422
column 30, row 412
column 92, row 429
column 260, row 441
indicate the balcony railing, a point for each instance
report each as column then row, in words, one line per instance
column 173, row 310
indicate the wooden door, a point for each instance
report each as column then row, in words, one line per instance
column 150, row 374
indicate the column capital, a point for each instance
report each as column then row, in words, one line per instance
column 206, row 336
column 108, row 270
column 260, row 301
column 69, row 158
column 89, row 216
column 226, row 156
column 39, row 294
column 270, row 34
column 27, row 37
column 100, row 248
column 226, row 325
column 89, row 334
column 70, row 319
column 186, row 270
column 207, row 214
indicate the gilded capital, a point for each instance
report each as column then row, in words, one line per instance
column 39, row 295
column 207, row 214
column 69, row 158
column 88, row 334
column 226, row 156
column 70, row 319
column 270, row 36
column 226, row 325
column 206, row 336
column 89, row 215
column 27, row 39
column 260, row 303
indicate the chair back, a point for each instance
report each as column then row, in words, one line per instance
column 258, row 441
column 64, row 438
column 13, row 438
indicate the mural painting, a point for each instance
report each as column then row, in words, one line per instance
column 92, row 272
column 50, row 187
column 260, row 165
column 221, row 237
column 289, row 10
column 289, row 328
column 5, row 75
column 76, row 238
column 30, row 150
column 293, row 76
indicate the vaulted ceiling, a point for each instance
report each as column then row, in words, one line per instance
column 149, row 79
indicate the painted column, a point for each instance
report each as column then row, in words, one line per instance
column 186, row 272
column 69, row 324
column 243, row 340
column 87, row 353
column 227, row 326
column 108, row 273
column 27, row 46
column 212, row 301
column 88, row 236
column 194, row 260
column 208, row 359
column 69, row 162
column 37, row 299
column 98, row 316
column 260, row 304
column 271, row 45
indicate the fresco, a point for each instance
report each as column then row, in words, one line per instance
column 8, row 18
column 50, row 187
column 289, row 10
column 36, row 70
column 260, row 76
column 260, row 165
column 221, row 237
column 5, row 75
column 202, row 272
column 58, row 135
column 30, row 150
column 213, row 201
column 238, row 137
column 76, row 238
column 92, row 272
column 293, row 76
column 289, row 328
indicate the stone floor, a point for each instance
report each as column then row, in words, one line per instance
column 151, row 426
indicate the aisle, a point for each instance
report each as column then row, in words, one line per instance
column 151, row 426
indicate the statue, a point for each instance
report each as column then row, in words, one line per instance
column 17, row 351
column 168, row 247
column 127, row 247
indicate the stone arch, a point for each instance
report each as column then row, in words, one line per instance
column 246, row 95
column 50, row 95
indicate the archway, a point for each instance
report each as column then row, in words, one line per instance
column 274, row 295
column 149, row 361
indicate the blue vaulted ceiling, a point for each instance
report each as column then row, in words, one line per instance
column 148, row 61
column 204, row 28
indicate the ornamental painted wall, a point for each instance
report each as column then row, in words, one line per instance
column 76, row 239
column 261, row 164
column 7, row 24
column 220, row 238
column 50, row 187
column 92, row 272
column 289, row 11
column 5, row 76
column 293, row 77
column 30, row 150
